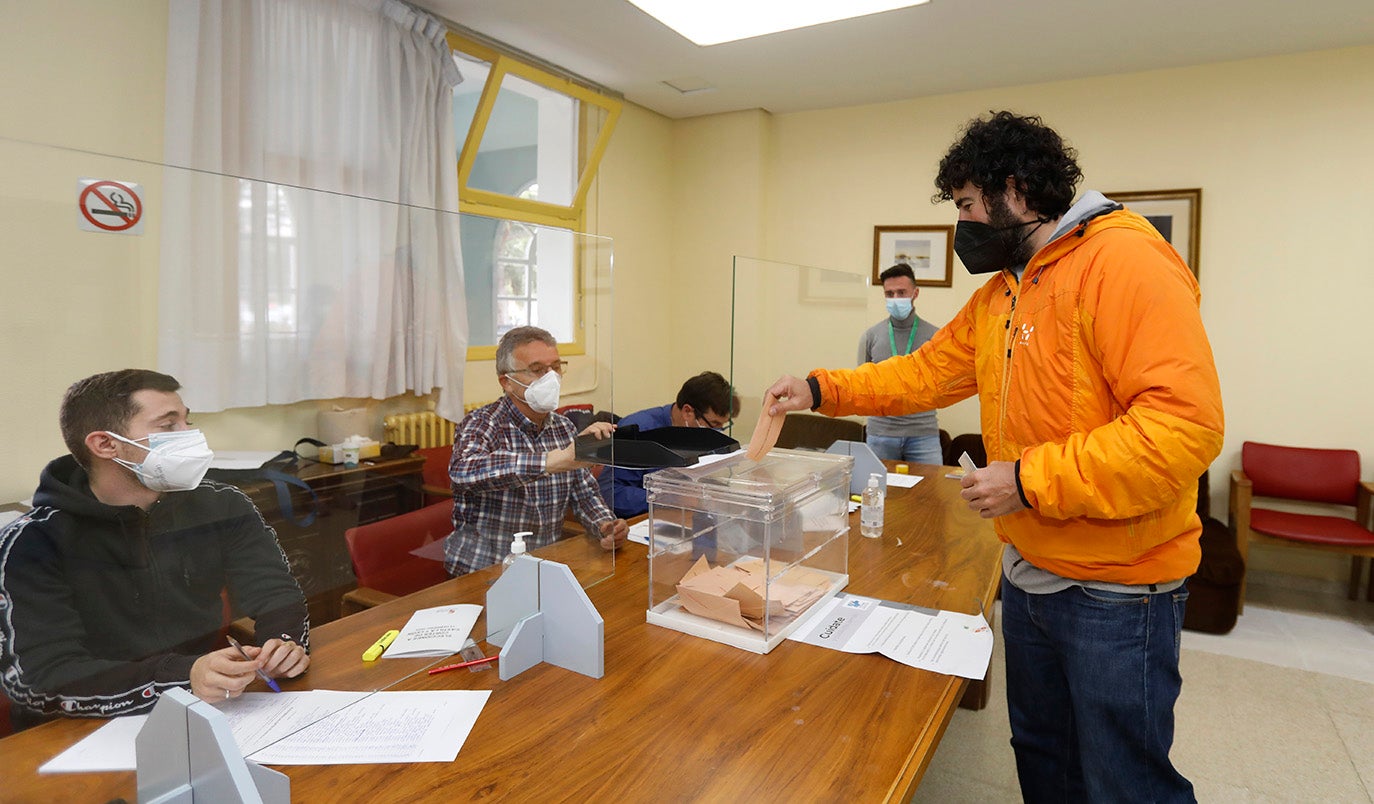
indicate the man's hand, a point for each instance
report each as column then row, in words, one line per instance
column 222, row 674
column 602, row 430
column 563, row 460
column 991, row 491
column 280, row 658
column 614, row 533
column 787, row 394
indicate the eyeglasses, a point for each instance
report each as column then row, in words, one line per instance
column 705, row 421
column 539, row 369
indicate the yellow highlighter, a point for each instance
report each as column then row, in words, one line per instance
column 380, row 646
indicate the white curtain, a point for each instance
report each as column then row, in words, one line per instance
column 310, row 241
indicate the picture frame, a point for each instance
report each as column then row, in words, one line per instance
column 929, row 250
column 1175, row 214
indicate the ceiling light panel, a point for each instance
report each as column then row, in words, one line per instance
column 711, row 22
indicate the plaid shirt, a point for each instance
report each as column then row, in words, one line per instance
column 500, row 487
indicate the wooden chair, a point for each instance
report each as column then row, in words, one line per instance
column 383, row 560
column 1327, row 476
column 810, row 431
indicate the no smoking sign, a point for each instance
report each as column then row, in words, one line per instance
column 109, row 206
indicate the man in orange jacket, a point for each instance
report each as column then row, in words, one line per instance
column 1100, row 408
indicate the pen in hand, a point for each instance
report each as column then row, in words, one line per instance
column 271, row 683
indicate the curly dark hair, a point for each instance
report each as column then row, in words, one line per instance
column 1004, row 145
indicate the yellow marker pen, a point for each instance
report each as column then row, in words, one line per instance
column 378, row 647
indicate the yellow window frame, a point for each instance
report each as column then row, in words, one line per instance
column 498, row 205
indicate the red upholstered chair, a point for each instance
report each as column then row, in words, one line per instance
column 383, row 560
column 434, row 477
column 1327, row 476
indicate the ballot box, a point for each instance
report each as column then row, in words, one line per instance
column 740, row 550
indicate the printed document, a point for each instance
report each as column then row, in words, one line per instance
column 438, row 631
column 940, row 641
column 321, row 727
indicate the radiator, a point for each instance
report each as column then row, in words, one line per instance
column 427, row 429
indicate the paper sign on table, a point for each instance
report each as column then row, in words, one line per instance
column 941, row 641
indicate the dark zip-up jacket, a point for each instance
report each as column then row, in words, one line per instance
column 102, row 607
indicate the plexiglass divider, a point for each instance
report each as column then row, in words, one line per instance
column 99, row 259
column 789, row 319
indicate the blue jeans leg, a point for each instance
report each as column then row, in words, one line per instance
column 1092, row 678
column 912, row 449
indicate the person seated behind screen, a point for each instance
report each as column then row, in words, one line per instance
column 705, row 400
column 912, row 437
column 113, row 581
column 514, row 465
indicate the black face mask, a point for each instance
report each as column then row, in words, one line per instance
column 985, row 249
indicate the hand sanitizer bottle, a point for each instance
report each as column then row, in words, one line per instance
column 517, row 547
column 871, row 514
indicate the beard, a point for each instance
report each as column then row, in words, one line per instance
column 1013, row 232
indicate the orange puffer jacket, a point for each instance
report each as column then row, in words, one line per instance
column 1094, row 371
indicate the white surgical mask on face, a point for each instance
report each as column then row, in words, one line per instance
column 542, row 394
column 177, row 461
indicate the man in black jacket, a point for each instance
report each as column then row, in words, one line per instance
column 110, row 588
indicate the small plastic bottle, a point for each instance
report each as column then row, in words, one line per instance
column 871, row 513
column 517, row 547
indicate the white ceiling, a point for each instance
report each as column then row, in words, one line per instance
column 944, row 46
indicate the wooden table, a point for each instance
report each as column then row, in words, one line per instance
column 676, row 718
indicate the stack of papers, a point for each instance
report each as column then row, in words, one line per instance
column 438, row 631
column 322, row 727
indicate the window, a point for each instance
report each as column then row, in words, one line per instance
column 533, row 142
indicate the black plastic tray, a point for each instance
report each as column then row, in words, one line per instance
column 659, row 448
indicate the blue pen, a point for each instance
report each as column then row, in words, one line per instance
column 261, row 674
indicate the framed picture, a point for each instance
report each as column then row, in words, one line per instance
column 1176, row 214
column 929, row 250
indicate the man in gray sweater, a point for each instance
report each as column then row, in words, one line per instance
column 914, row 437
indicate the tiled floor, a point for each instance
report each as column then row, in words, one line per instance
column 1280, row 709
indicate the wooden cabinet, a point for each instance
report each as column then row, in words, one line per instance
column 344, row 497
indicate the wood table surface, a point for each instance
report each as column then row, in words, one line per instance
column 675, row 718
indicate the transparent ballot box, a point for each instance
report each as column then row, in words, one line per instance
column 740, row 550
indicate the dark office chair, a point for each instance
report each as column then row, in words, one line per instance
column 383, row 561
column 972, row 443
column 1328, row 476
column 810, row 431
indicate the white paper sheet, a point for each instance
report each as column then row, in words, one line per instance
column 903, row 481
column 940, row 641
column 437, row 631
column 321, row 727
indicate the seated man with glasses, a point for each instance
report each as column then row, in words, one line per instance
column 514, row 465
column 705, row 400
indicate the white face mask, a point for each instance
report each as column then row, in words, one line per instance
column 542, row 394
column 177, row 461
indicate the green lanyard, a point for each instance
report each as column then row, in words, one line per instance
column 892, row 336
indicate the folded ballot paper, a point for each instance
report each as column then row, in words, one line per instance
column 439, row 631
column 736, row 594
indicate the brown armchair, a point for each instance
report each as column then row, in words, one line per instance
column 1327, row 476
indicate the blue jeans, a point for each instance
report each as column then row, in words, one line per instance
column 912, row 449
column 1092, row 678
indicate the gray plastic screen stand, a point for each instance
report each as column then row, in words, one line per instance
column 186, row 753
column 865, row 464
column 538, row 612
